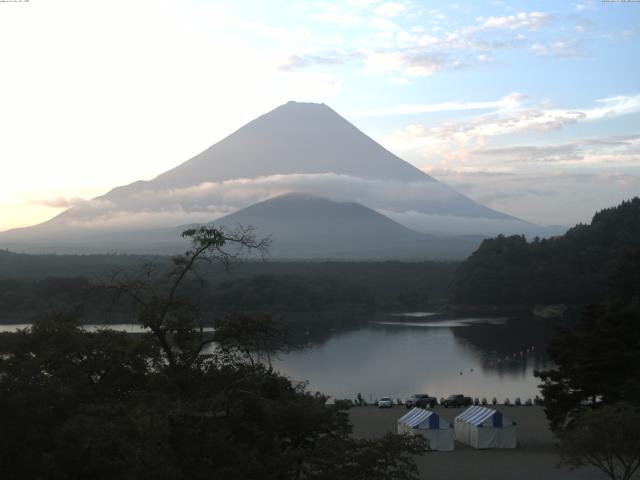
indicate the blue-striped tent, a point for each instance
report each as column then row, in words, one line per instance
column 428, row 424
column 482, row 427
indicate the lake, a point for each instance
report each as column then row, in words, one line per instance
column 400, row 354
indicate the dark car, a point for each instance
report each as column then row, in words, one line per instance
column 457, row 400
column 421, row 400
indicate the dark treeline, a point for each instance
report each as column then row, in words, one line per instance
column 569, row 269
column 597, row 360
column 592, row 390
column 27, row 266
column 250, row 286
column 178, row 402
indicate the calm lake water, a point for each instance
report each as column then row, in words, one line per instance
column 397, row 355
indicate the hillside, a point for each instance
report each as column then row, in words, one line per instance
column 572, row 268
column 304, row 226
column 300, row 226
column 297, row 147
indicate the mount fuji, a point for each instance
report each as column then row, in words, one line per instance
column 302, row 148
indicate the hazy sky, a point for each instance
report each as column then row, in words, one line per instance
column 532, row 108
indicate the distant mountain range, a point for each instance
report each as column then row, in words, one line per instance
column 357, row 186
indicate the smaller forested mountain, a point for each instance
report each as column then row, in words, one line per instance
column 305, row 226
column 569, row 269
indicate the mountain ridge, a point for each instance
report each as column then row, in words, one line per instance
column 301, row 226
column 297, row 147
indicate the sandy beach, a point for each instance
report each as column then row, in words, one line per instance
column 535, row 458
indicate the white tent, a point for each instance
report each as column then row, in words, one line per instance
column 482, row 427
column 429, row 425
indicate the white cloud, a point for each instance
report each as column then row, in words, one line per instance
column 449, row 225
column 58, row 202
column 521, row 20
column 560, row 48
column 583, row 6
column 614, row 106
column 603, row 151
column 384, row 24
column 476, row 131
column 340, row 18
column 342, row 15
column 510, row 101
column 529, row 154
column 209, row 200
column 412, row 63
column 144, row 219
column 390, row 9
column 401, row 81
column 560, row 198
column 329, row 58
column 394, row 42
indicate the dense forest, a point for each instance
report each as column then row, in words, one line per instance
column 568, row 269
column 23, row 265
column 282, row 287
column 177, row 402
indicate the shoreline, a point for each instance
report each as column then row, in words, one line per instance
column 536, row 456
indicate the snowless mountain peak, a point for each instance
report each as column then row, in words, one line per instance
column 297, row 147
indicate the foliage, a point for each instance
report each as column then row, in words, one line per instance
column 569, row 269
column 159, row 300
column 48, row 373
column 598, row 360
column 176, row 403
column 275, row 287
column 607, row 438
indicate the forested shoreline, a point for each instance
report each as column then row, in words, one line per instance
column 571, row 269
column 504, row 274
column 271, row 287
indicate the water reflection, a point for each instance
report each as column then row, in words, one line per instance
column 119, row 327
column 475, row 356
column 398, row 355
column 447, row 323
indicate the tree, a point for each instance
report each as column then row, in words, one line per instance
column 597, row 361
column 159, row 299
column 52, row 372
column 607, row 438
column 177, row 403
column 568, row 269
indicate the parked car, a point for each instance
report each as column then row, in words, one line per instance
column 457, row 400
column 385, row 402
column 421, row 400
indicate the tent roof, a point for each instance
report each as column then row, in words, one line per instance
column 416, row 416
column 477, row 415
